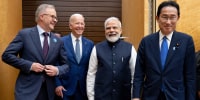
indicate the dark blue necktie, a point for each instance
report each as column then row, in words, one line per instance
column 77, row 51
column 163, row 51
column 45, row 44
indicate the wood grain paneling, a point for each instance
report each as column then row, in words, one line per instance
column 11, row 23
column 95, row 12
column 133, row 20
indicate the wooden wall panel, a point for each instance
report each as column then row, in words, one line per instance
column 95, row 12
column 133, row 20
column 11, row 23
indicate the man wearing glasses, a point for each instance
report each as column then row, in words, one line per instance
column 35, row 52
column 165, row 65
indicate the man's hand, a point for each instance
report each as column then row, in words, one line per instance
column 37, row 67
column 51, row 70
column 198, row 93
column 59, row 90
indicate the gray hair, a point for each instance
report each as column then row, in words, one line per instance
column 41, row 9
column 75, row 14
column 110, row 19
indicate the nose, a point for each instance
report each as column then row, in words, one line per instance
column 168, row 21
column 55, row 20
column 111, row 29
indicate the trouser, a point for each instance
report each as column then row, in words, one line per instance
column 43, row 95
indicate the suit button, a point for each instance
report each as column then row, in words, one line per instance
column 114, row 81
column 114, row 71
column 114, row 90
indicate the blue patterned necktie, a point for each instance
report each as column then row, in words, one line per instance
column 45, row 45
column 164, row 51
column 77, row 51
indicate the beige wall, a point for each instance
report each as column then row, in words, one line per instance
column 135, row 19
column 189, row 19
column 11, row 22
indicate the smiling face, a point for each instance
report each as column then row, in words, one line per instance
column 48, row 19
column 113, row 30
column 77, row 25
column 167, row 19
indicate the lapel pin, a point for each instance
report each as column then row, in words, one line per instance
column 177, row 44
column 54, row 40
column 174, row 48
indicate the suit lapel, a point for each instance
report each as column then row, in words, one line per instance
column 156, row 48
column 172, row 48
column 70, row 46
column 84, row 49
column 53, row 40
column 36, row 39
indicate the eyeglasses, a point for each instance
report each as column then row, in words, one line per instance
column 166, row 18
column 52, row 16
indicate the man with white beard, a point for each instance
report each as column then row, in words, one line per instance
column 111, row 66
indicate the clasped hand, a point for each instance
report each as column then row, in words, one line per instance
column 49, row 69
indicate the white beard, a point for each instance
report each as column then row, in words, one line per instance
column 113, row 38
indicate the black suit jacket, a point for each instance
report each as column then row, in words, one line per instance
column 178, row 76
column 23, row 51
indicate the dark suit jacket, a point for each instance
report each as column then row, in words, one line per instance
column 178, row 76
column 198, row 70
column 78, row 71
column 26, row 49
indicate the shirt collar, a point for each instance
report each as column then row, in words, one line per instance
column 169, row 36
column 74, row 38
column 41, row 31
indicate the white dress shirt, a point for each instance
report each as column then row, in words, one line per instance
column 169, row 37
column 41, row 31
column 74, row 43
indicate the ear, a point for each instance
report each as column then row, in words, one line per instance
column 70, row 26
column 120, row 31
column 157, row 18
column 178, row 17
column 41, row 17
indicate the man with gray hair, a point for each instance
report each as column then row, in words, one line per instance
column 111, row 66
column 35, row 52
column 72, row 85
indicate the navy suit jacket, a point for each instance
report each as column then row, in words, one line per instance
column 178, row 76
column 23, row 51
column 78, row 71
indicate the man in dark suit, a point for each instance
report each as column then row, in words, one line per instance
column 36, row 60
column 170, row 76
column 72, row 85
column 198, row 74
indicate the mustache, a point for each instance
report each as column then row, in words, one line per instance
column 112, row 34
